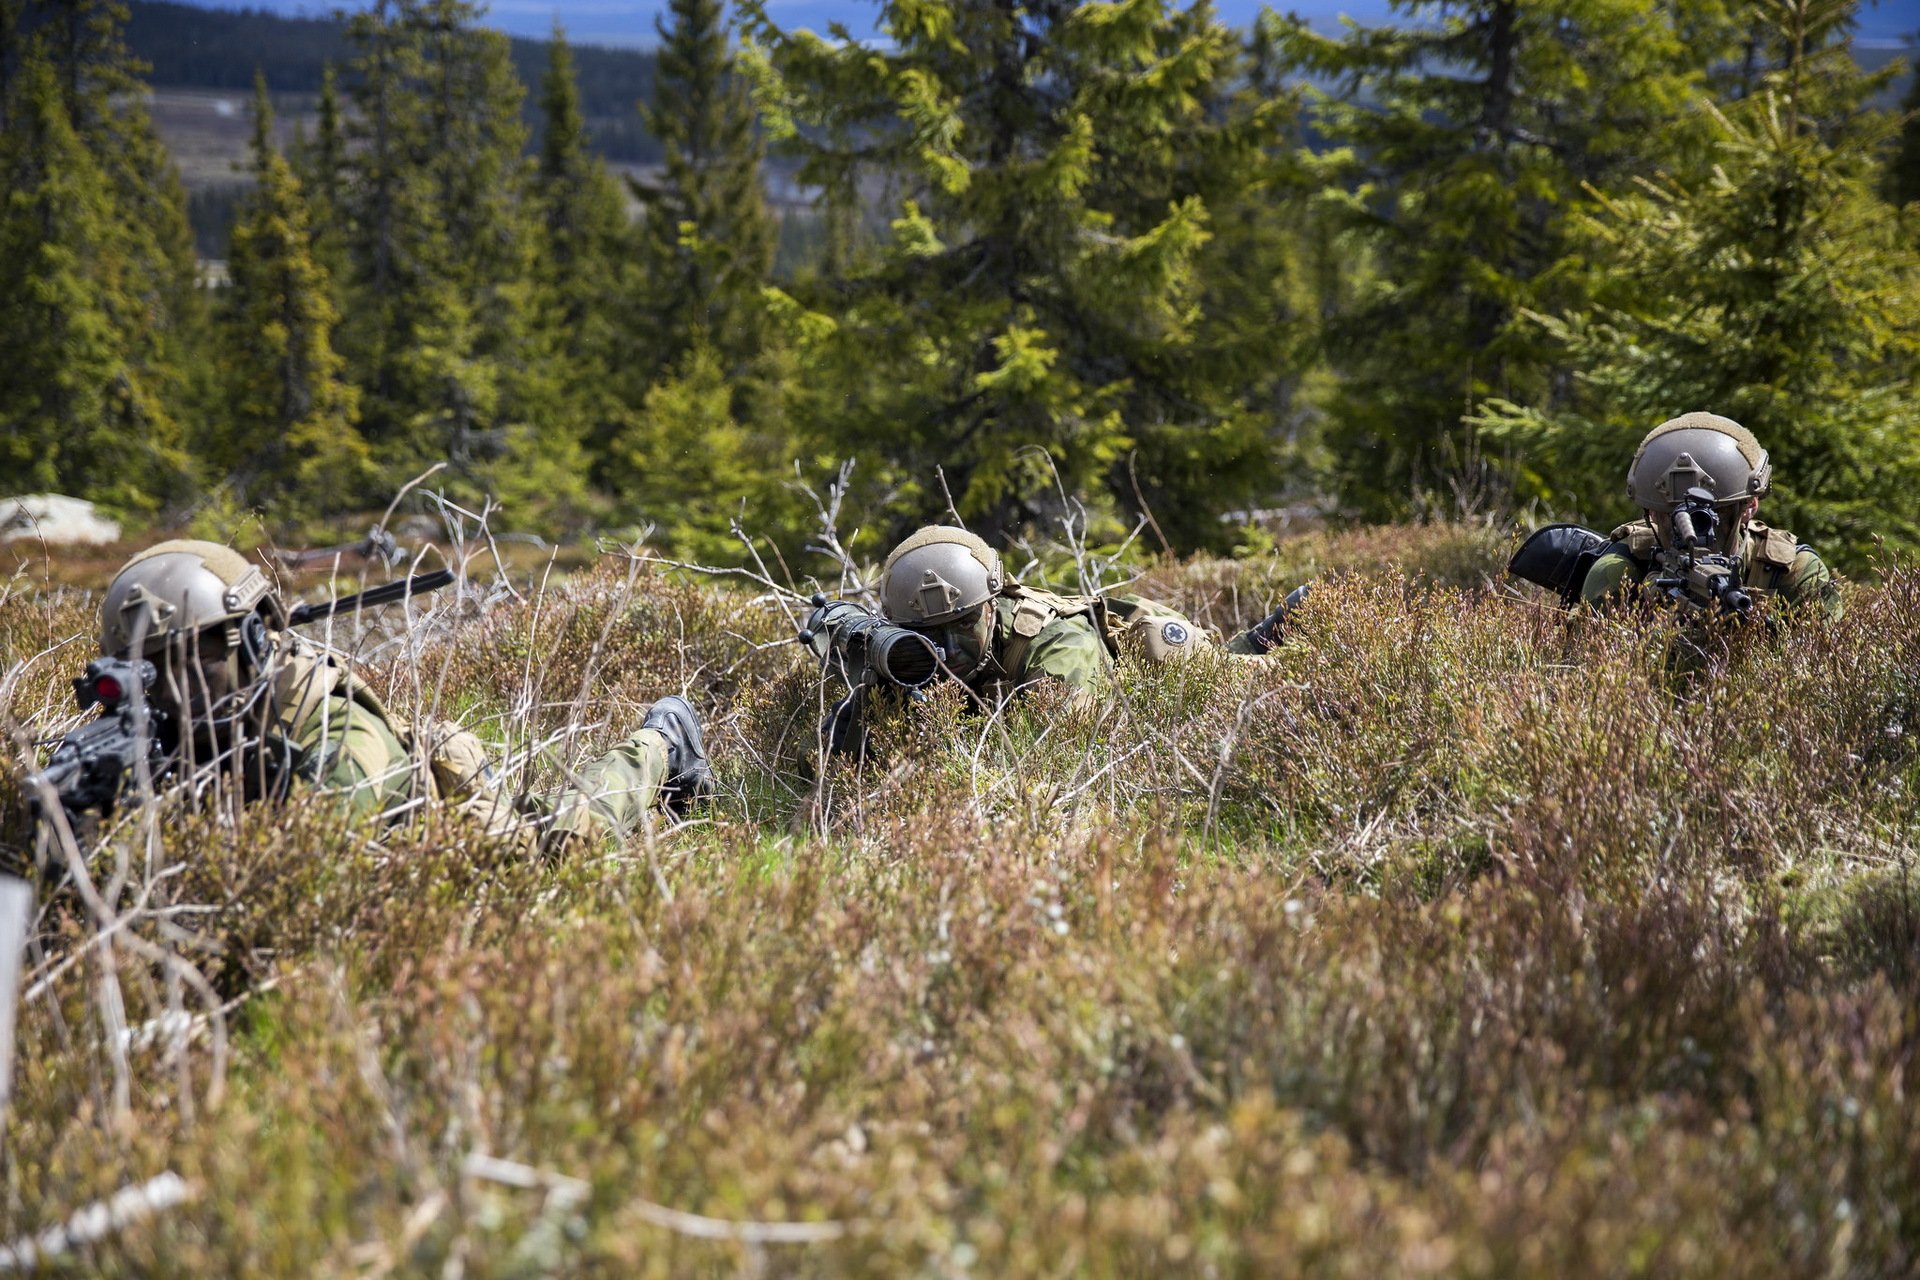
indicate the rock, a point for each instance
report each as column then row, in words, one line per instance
column 56, row 520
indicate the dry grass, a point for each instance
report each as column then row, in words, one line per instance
column 1462, row 938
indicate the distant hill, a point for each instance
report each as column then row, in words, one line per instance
column 194, row 48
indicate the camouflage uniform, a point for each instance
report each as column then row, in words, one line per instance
column 339, row 737
column 1772, row 563
column 1076, row 639
column 229, row 670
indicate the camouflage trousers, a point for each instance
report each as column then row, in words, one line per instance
column 609, row 797
column 605, row 800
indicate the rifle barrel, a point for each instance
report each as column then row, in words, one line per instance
column 386, row 593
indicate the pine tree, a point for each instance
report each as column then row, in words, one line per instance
column 442, row 325
column 320, row 165
column 709, row 241
column 1460, row 141
column 76, row 414
column 290, row 436
column 1039, row 306
column 1775, row 287
column 585, row 265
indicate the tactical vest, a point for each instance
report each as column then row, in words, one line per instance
column 1034, row 611
column 1766, row 554
column 1154, row 631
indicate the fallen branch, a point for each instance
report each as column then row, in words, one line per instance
column 571, row 1191
column 95, row 1222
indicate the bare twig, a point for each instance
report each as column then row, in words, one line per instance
column 573, row 1191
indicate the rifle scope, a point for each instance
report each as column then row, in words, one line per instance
column 892, row 653
column 108, row 682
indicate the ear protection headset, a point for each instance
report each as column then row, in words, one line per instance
column 254, row 647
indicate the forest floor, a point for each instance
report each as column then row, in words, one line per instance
column 1461, row 937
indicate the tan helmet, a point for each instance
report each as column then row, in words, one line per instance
column 937, row 575
column 182, row 587
column 1698, row 450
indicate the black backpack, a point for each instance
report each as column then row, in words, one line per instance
column 1558, row 557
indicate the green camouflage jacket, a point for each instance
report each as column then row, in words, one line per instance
column 339, row 737
column 1771, row 563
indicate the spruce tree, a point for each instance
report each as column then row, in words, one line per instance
column 164, row 316
column 1039, row 306
column 582, row 217
column 1903, row 166
column 1774, row 286
column 708, row 239
column 585, row 265
column 139, row 252
column 320, row 165
column 1460, row 140
column 77, row 413
column 441, row 239
column 290, row 435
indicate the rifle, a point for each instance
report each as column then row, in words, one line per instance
column 89, row 767
column 91, row 763
column 1692, row 574
column 1689, row 573
column 868, row 649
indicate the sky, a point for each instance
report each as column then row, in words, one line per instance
column 631, row 21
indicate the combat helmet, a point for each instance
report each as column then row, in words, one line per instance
column 939, row 574
column 185, row 587
column 1698, row 450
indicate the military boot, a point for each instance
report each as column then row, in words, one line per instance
column 1267, row 632
column 689, row 777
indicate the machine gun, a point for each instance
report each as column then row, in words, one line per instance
column 1690, row 572
column 868, row 649
column 90, row 766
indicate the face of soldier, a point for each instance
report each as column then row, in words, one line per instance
column 964, row 639
column 197, row 681
column 1733, row 525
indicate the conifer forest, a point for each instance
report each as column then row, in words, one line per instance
column 1466, row 932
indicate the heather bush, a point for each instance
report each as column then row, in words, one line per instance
column 1459, row 937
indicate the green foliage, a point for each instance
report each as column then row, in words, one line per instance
column 1903, row 167
column 1776, row 288
column 442, row 322
column 707, row 240
column 1038, row 306
column 1452, row 153
column 689, row 467
column 291, row 436
column 84, row 406
column 584, row 270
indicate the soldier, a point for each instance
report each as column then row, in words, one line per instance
column 237, row 688
column 1716, row 455
column 998, row 636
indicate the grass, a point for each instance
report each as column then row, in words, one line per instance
column 1462, row 938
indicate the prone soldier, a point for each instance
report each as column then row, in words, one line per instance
column 1698, row 480
column 997, row 636
column 227, row 683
